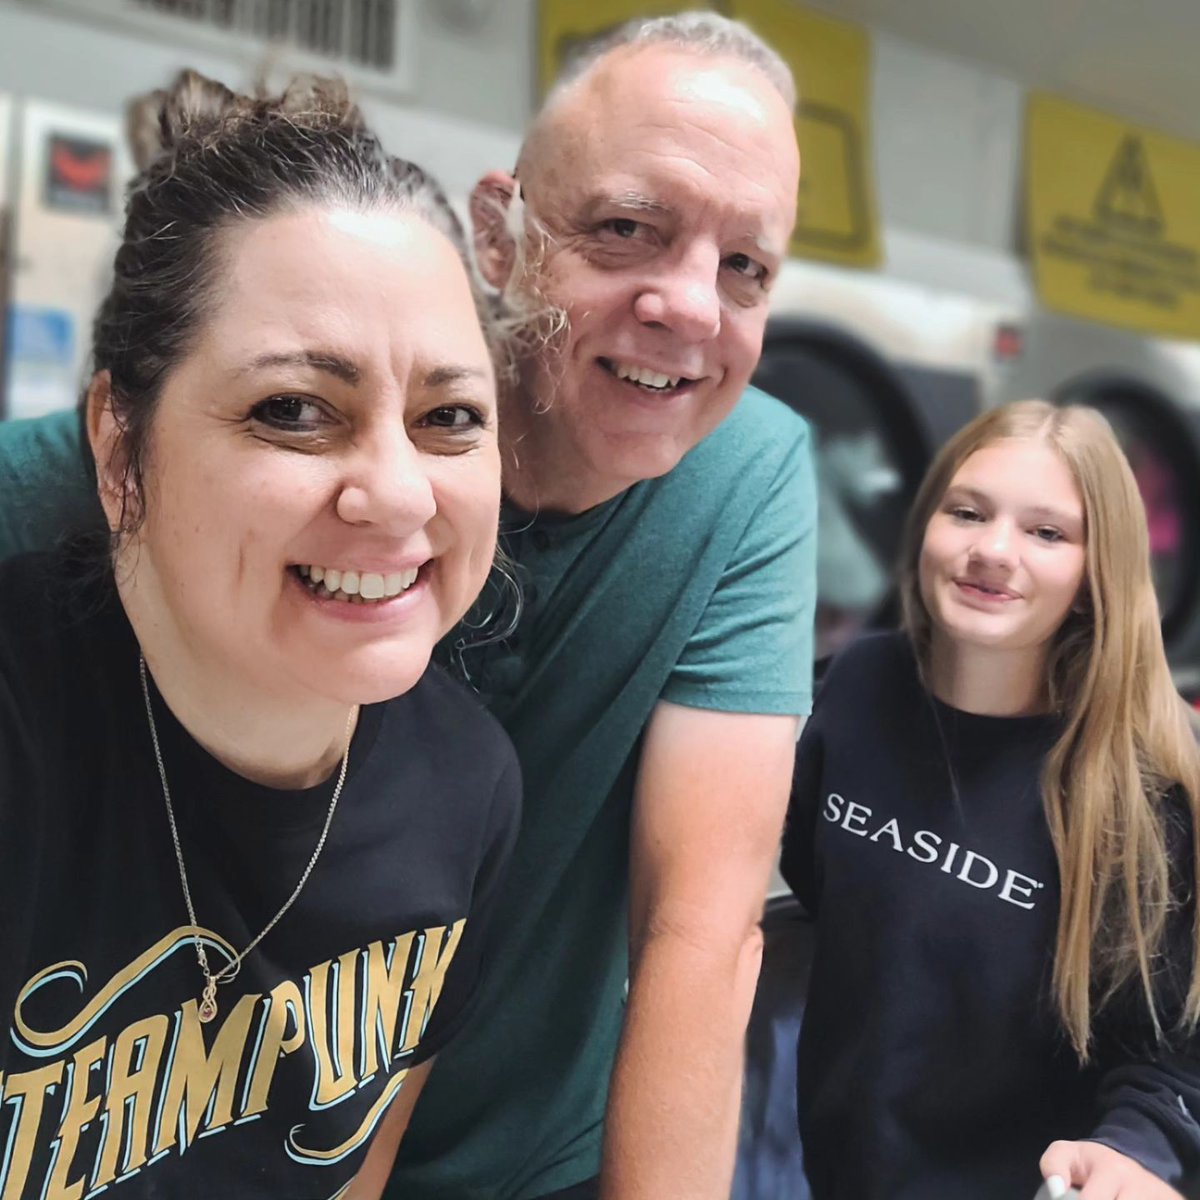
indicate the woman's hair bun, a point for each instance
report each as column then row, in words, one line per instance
column 196, row 110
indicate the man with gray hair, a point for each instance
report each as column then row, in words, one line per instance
column 661, row 516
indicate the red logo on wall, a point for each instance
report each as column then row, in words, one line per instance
column 78, row 174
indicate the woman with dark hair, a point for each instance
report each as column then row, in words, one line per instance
column 993, row 821
column 248, row 837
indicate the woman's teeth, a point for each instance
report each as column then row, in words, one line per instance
column 356, row 587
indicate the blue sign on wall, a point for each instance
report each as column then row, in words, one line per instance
column 45, row 336
column 40, row 373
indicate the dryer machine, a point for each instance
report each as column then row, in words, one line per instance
column 884, row 371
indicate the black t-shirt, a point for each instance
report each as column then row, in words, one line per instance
column 932, row 1063
column 109, row 1078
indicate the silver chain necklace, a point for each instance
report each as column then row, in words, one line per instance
column 228, row 973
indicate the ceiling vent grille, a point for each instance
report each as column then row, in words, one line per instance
column 368, row 41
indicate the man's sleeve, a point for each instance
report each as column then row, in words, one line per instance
column 752, row 648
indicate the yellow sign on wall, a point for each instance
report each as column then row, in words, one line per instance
column 837, row 218
column 1113, row 211
column 831, row 60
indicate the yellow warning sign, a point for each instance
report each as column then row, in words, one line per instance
column 1113, row 211
column 837, row 218
column 831, row 60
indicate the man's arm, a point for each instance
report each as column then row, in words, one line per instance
column 708, row 809
column 368, row 1184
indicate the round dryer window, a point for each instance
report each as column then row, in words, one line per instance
column 871, row 454
column 1163, row 451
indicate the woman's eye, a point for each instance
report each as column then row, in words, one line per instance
column 454, row 416
column 289, row 412
column 1048, row 533
column 961, row 513
column 744, row 265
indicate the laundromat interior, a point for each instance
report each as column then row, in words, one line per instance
column 998, row 201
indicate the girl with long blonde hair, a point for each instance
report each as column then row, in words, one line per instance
column 993, row 823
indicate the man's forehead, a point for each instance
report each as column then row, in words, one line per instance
column 639, row 87
column 663, row 69
column 663, row 131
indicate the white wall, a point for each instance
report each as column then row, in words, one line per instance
column 947, row 142
column 462, row 79
column 477, row 72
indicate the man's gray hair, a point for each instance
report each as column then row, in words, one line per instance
column 705, row 33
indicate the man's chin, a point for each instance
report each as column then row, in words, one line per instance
column 637, row 458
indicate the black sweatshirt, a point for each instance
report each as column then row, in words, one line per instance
column 932, row 1063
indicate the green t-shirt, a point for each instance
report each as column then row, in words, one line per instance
column 44, row 489
column 698, row 588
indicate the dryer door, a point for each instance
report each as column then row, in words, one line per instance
column 1159, row 439
column 872, row 449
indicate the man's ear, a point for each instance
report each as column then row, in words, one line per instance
column 495, row 250
column 104, row 437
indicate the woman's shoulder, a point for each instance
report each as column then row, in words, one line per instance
column 873, row 664
column 452, row 718
column 30, row 598
column 60, row 624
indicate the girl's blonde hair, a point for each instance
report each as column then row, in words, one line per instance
column 1127, row 738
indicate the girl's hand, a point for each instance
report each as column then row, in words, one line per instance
column 1100, row 1173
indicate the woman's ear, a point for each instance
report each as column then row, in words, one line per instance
column 104, row 437
column 495, row 250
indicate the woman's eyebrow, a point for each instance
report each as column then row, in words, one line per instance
column 1060, row 516
column 320, row 360
column 453, row 373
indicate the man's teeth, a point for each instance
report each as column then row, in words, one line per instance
column 646, row 377
column 357, row 586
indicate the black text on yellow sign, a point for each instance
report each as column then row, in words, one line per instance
column 837, row 219
column 1113, row 211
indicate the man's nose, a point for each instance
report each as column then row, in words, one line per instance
column 683, row 295
column 387, row 483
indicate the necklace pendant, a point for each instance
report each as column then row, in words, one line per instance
column 208, row 1002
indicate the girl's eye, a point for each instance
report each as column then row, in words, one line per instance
column 288, row 412
column 454, row 416
column 1048, row 533
column 961, row 513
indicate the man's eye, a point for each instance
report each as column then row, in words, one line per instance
column 454, row 416
column 743, row 264
column 288, row 412
column 624, row 227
